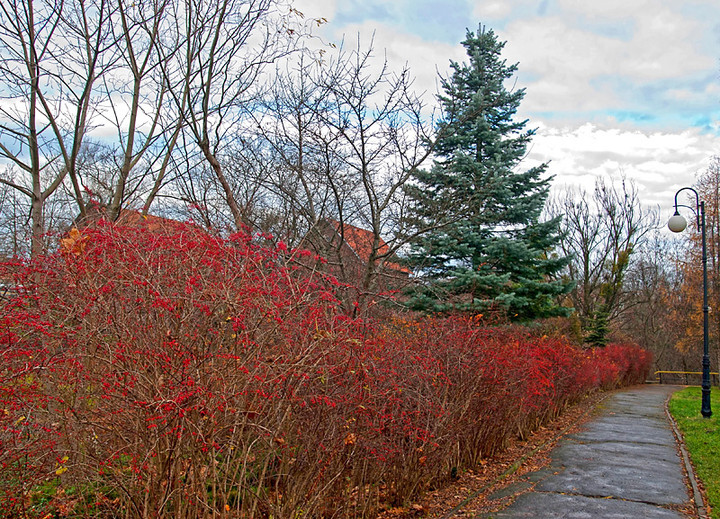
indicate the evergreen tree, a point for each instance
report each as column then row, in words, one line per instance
column 487, row 247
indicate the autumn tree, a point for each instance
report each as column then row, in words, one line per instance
column 654, row 302
column 689, row 318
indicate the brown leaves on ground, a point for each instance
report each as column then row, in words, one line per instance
column 489, row 472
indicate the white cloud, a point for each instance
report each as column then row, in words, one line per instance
column 492, row 10
column 568, row 60
column 665, row 45
column 613, row 9
column 658, row 162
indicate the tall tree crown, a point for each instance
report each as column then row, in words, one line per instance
column 475, row 99
column 488, row 247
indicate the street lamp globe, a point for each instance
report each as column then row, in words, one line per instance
column 677, row 223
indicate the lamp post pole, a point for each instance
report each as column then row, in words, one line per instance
column 677, row 224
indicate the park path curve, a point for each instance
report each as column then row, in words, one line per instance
column 624, row 463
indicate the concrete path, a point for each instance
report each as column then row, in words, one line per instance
column 624, row 463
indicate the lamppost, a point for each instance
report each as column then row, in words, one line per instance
column 677, row 223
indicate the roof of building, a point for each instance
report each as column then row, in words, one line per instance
column 153, row 223
column 361, row 242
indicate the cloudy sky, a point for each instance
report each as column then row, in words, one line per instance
column 614, row 87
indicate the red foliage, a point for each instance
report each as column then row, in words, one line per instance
column 169, row 374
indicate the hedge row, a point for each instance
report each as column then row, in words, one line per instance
column 176, row 374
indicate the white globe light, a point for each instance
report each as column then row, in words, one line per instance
column 677, row 223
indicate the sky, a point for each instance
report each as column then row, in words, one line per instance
column 613, row 88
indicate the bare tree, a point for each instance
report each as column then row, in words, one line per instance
column 304, row 177
column 380, row 126
column 140, row 125
column 50, row 52
column 13, row 217
column 599, row 234
column 346, row 135
column 135, row 98
column 225, row 47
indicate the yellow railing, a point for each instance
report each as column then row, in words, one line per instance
column 659, row 375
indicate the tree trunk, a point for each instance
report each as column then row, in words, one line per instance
column 38, row 226
column 227, row 189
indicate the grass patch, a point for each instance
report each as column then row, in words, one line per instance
column 702, row 438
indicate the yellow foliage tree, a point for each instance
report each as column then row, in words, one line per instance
column 689, row 313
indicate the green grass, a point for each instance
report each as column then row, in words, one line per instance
column 702, row 438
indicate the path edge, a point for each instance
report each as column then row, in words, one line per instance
column 520, row 461
column 697, row 495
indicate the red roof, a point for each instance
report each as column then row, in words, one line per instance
column 361, row 242
column 74, row 240
column 132, row 218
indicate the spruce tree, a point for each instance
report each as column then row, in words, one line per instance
column 487, row 247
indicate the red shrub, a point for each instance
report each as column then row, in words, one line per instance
column 631, row 363
column 172, row 373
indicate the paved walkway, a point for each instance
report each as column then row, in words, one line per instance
column 623, row 464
